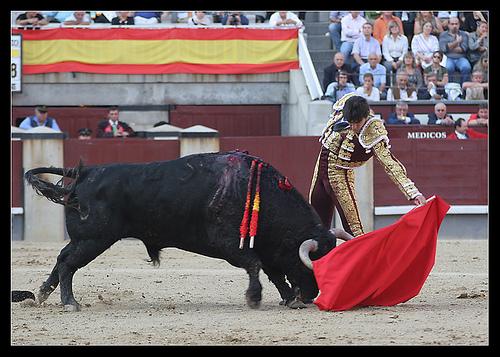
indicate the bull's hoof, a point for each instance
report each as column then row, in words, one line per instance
column 71, row 308
column 41, row 297
column 253, row 304
column 296, row 304
column 44, row 293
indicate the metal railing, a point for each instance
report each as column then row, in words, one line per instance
column 307, row 66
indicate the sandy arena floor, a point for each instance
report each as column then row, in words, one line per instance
column 195, row 300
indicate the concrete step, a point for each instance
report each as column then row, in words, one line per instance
column 321, row 55
column 316, row 28
column 321, row 65
column 318, row 43
column 324, row 16
column 311, row 16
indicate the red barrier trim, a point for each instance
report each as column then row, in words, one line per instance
column 162, row 68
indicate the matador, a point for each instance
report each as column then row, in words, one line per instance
column 351, row 137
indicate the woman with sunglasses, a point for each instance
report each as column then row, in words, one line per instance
column 436, row 68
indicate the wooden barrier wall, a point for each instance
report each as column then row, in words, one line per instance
column 229, row 120
column 17, row 174
column 457, row 170
column 111, row 150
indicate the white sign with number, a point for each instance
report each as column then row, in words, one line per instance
column 16, row 62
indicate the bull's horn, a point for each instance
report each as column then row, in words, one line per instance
column 341, row 234
column 305, row 248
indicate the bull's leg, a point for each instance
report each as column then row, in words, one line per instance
column 254, row 291
column 248, row 260
column 53, row 280
column 78, row 254
column 278, row 279
column 49, row 285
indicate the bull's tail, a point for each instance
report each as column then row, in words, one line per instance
column 54, row 192
column 21, row 295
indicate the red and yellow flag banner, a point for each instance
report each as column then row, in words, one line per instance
column 158, row 51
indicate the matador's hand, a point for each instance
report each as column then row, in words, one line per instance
column 419, row 200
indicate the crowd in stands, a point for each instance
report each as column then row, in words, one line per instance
column 194, row 18
column 382, row 55
column 411, row 55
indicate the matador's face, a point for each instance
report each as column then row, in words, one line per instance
column 356, row 127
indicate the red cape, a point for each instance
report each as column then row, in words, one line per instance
column 384, row 267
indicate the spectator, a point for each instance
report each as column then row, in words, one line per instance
column 424, row 45
column 182, row 17
column 408, row 20
column 377, row 70
column 438, row 69
column 481, row 117
column 427, row 16
column 482, row 65
column 337, row 90
column 455, row 44
column 409, row 66
column 166, row 17
column 41, row 118
column 50, row 16
column 31, row 18
column 112, row 127
column 147, row 17
column 432, row 91
column 444, row 16
column 352, row 26
column 123, row 18
column 364, row 46
column 394, row 47
column 103, row 17
column 200, row 18
column 335, row 28
column 285, row 18
column 331, row 72
column 462, row 132
column 478, row 43
column 401, row 115
column 381, row 25
column 440, row 116
column 368, row 90
column 77, row 18
column 477, row 89
column 259, row 16
column 84, row 134
column 470, row 19
column 234, row 18
column 402, row 91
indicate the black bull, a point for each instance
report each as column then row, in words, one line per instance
column 194, row 203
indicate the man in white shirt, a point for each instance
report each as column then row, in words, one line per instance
column 78, row 18
column 352, row 25
column 365, row 45
column 285, row 18
column 402, row 91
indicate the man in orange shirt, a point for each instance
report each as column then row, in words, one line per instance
column 381, row 25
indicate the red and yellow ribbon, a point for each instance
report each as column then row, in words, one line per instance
column 246, row 214
column 256, row 207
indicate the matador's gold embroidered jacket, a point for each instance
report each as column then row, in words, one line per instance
column 350, row 150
